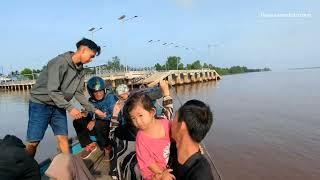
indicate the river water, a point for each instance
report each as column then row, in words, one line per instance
column 266, row 125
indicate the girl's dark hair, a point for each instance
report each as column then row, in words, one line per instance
column 90, row 44
column 138, row 98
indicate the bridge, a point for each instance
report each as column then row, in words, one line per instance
column 134, row 78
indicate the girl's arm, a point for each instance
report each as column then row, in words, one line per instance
column 159, row 173
column 163, row 175
column 155, row 168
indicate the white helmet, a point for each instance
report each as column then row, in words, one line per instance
column 121, row 89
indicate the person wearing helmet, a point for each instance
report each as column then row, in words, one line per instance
column 91, row 124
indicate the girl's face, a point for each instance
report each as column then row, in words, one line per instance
column 98, row 95
column 142, row 118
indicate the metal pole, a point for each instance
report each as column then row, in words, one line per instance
column 177, row 63
column 122, row 19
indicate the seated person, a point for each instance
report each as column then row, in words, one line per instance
column 15, row 162
column 91, row 124
column 123, row 93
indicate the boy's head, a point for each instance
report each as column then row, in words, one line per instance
column 194, row 119
column 122, row 91
column 87, row 50
column 96, row 88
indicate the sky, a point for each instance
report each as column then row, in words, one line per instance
column 266, row 33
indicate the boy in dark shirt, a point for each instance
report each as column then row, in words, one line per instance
column 189, row 127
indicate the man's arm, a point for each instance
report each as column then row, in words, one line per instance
column 79, row 95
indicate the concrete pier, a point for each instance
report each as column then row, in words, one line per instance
column 17, row 85
column 135, row 78
column 178, row 77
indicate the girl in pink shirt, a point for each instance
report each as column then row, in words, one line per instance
column 153, row 137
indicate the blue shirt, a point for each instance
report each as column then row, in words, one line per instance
column 106, row 105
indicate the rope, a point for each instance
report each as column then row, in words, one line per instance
column 212, row 162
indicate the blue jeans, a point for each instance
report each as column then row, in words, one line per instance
column 40, row 116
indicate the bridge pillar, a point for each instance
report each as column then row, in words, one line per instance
column 171, row 80
column 210, row 76
column 205, row 76
column 192, row 77
column 201, row 77
column 215, row 76
column 186, row 78
column 198, row 77
column 182, row 78
column 178, row 79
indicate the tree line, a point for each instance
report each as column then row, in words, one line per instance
column 174, row 63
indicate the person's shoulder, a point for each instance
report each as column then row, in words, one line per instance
column 139, row 135
column 59, row 59
column 165, row 122
column 163, row 119
column 110, row 96
column 201, row 169
column 141, row 139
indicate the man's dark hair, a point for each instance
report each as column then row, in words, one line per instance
column 90, row 44
column 198, row 118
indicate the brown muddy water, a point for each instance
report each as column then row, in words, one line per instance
column 266, row 125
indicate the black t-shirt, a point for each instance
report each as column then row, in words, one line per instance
column 15, row 162
column 196, row 167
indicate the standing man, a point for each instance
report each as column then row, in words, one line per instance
column 60, row 81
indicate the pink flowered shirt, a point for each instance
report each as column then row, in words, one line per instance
column 153, row 150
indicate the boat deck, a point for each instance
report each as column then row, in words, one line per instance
column 99, row 164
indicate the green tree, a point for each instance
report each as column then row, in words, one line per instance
column 114, row 64
column 158, row 67
column 172, row 61
column 181, row 66
column 205, row 65
column 26, row 72
column 196, row 65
